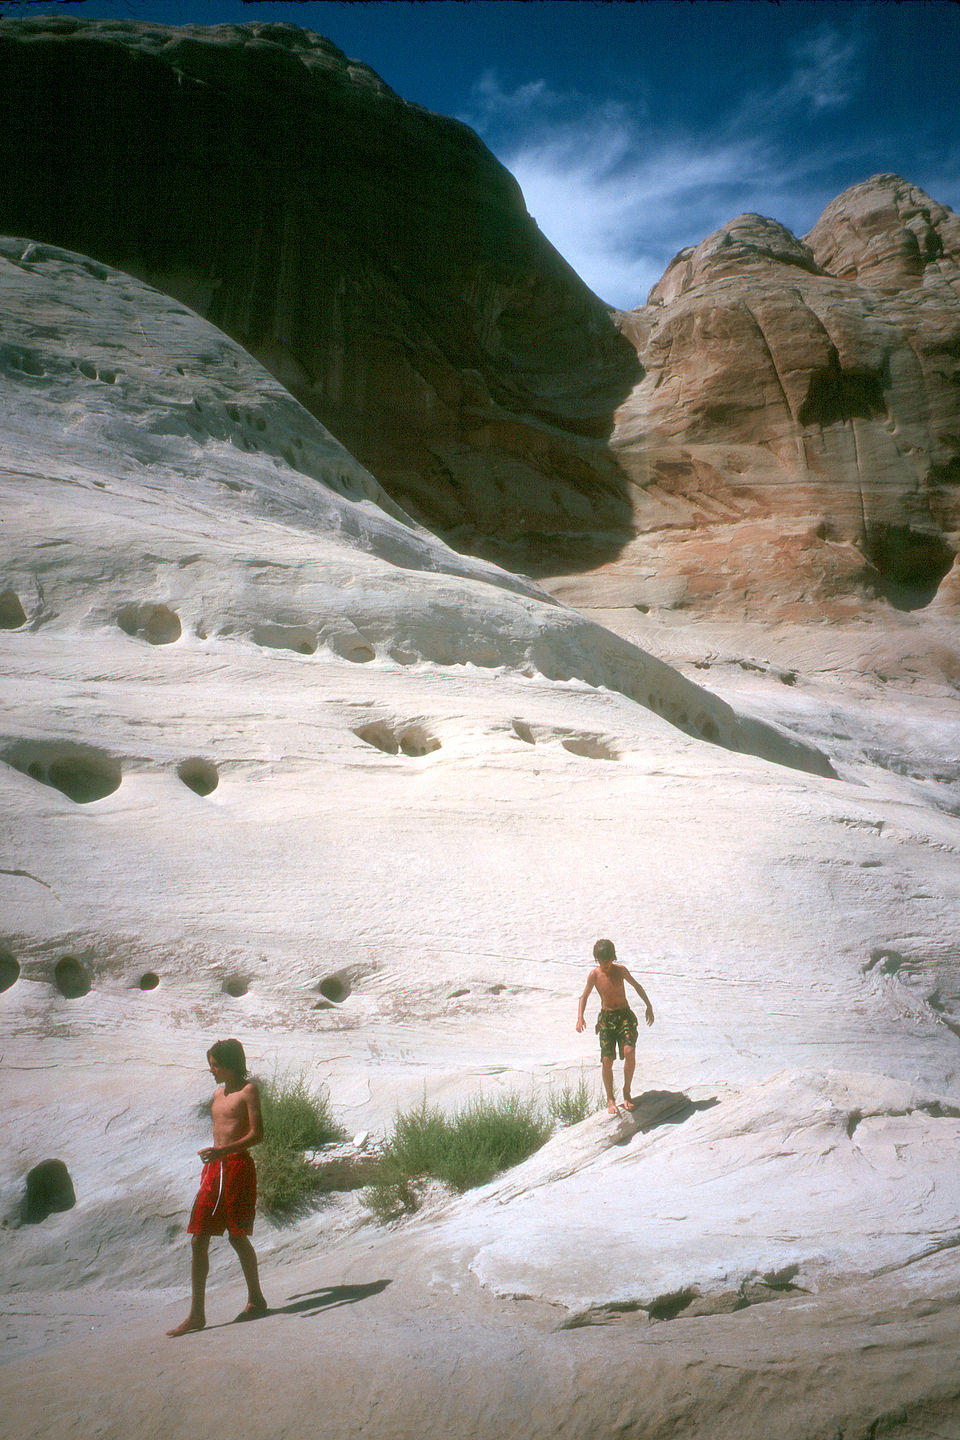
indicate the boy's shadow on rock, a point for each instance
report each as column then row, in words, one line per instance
column 328, row 1298
column 663, row 1107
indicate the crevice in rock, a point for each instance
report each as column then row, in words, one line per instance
column 235, row 986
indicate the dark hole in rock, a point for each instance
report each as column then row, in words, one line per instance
column 911, row 563
column 12, row 613
column 299, row 638
column 591, row 747
column 235, row 986
column 335, row 988
column 523, row 732
column 83, row 778
column 198, row 775
column 835, row 395
column 157, row 624
column 79, row 772
column 149, row 981
column 353, row 648
column 49, row 1190
column 668, row 1307
column 9, row 970
column 71, row 977
column 412, row 740
column 417, row 742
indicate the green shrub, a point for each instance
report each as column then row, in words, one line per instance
column 571, row 1104
column 296, row 1117
column 469, row 1147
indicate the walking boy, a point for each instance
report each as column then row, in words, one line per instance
column 617, row 1025
column 227, row 1197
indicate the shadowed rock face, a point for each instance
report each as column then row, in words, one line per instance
column 795, row 435
column 375, row 257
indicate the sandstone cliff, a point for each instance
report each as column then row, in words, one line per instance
column 375, row 257
column 795, row 436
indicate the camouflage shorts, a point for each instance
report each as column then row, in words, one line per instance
column 616, row 1029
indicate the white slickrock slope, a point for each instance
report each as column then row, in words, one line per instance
column 278, row 764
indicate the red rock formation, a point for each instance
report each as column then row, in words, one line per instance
column 795, row 437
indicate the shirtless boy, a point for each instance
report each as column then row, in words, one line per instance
column 227, row 1197
column 617, row 1025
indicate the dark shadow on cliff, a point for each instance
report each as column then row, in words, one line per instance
column 381, row 263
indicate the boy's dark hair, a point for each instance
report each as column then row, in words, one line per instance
column 604, row 950
column 229, row 1054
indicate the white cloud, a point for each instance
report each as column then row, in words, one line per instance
column 619, row 197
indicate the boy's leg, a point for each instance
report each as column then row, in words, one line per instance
column 199, row 1268
column 606, row 1069
column 629, row 1063
column 256, row 1304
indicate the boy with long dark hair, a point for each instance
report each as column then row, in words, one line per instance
column 227, row 1198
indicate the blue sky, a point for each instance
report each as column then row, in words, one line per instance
column 636, row 129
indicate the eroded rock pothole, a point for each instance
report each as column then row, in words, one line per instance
column 413, row 740
column 80, row 772
column 157, row 624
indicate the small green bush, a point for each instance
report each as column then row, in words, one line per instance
column 571, row 1104
column 469, row 1147
column 296, row 1117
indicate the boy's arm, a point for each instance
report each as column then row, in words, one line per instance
column 591, row 980
column 641, row 992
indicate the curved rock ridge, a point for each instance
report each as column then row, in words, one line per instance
column 375, row 257
column 681, row 1171
column 183, row 417
column 888, row 235
column 794, row 440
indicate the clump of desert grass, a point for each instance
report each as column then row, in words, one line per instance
column 296, row 1118
column 468, row 1148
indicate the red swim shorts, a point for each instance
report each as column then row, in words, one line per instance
column 227, row 1198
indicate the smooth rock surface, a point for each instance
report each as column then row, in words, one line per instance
column 794, row 437
column 267, row 743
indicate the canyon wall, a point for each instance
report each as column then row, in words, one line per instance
column 795, row 437
column 375, row 257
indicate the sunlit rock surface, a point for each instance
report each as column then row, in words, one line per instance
column 794, row 439
column 276, row 763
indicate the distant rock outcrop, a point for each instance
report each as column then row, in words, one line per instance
column 795, row 437
column 375, row 257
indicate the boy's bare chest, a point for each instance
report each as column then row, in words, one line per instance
column 611, row 991
column 228, row 1109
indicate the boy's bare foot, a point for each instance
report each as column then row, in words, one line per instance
column 627, row 1103
column 185, row 1329
column 613, row 1108
column 251, row 1311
